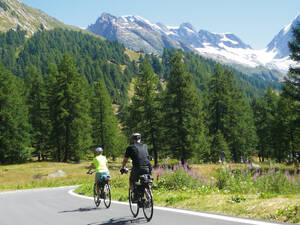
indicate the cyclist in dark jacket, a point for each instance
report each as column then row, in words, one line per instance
column 138, row 152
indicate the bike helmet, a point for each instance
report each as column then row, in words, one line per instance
column 136, row 136
column 99, row 149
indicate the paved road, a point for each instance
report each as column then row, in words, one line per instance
column 58, row 207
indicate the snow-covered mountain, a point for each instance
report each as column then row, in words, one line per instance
column 138, row 33
column 135, row 33
column 279, row 45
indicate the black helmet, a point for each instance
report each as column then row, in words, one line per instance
column 136, row 136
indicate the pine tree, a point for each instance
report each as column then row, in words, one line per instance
column 286, row 142
column 71, row 122
column 218, row 147
column 291, row 88
column 145, row 113
column 264, row 114
column 106, row 132
column 292, row 82
column 37, row 104
column 183, row 114
column 14, row 127
column 230, row 114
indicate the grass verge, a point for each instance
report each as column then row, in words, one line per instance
column 279, row 207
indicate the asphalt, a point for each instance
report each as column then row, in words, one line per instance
column 60, row 206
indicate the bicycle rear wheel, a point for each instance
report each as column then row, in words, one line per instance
column 148, row 204
column 106, row 195
column 134, row 208
column 97, row 199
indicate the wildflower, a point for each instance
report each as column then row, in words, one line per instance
column 175, row 167
column 255, row 176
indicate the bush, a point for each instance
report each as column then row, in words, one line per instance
column 252, row 181
column 178, row 178
column 237, row 198
column 289, row 214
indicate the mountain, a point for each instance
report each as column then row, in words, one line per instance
column 138, row 33
column 279, row 45
column 14, row 13
column 135, row 33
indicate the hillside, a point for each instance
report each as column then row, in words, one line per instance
column 93, row 56
column 13, row 14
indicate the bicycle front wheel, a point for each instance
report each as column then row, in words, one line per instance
column 106, row 195
column 97, row 199
column 148, row 203
column 134, row 208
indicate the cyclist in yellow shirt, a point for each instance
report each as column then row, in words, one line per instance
column 100, row 164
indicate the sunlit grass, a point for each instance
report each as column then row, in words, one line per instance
column 260, row 205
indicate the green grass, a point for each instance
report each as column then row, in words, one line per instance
column 204, row 196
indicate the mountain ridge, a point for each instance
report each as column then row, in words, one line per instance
column 135, row 33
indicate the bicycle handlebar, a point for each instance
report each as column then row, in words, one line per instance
column 90, row 172
column 124, row 170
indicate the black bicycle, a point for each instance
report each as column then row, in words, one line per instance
column 102, row 191
column 141, row 196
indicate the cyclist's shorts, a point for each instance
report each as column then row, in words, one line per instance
column 136, row 172
column 100, row 176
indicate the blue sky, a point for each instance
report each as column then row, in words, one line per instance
column 256, row 22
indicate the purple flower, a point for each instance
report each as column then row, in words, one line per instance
column 255, row 176
column 287, row 172
column 175, row 167
column 197, row 175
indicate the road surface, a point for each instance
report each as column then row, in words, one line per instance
column 61, row 206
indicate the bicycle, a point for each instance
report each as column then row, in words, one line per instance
column 102, row 191
column 142, row 191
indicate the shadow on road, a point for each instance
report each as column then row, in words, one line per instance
column 122, row 221
column 86, row 209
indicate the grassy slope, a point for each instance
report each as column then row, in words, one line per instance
column 34, row 175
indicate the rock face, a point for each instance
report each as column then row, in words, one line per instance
column 135, row 33
column 14, row 13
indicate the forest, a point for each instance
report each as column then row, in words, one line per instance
column 63, row 93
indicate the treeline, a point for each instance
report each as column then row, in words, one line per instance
column 185, row 122
column 93, row 57
column 57, row 90
column 58, row 116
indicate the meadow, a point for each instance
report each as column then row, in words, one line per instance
column 271, row 192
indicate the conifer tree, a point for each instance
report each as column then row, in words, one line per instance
column 264, row 114
column 71, row 124
column 106, row 132
column 219, row 146
column 183, row 114
column 291, row 88
column 292, row 81
column 230, row 114
column 37, row 104
column 145, row 113
column 14, row 127
column 286, row 142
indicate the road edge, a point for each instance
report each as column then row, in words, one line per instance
column 194, row 213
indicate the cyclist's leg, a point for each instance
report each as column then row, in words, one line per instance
column 97, row 182
column 134, row 177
